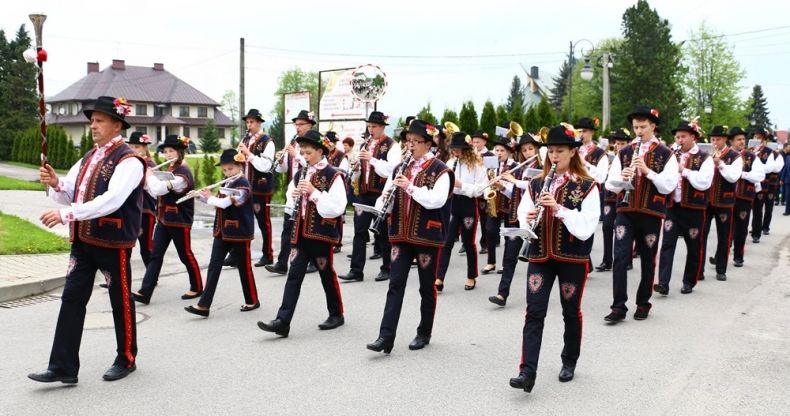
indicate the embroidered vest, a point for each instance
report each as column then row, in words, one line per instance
column 764, row 154
column 722, row 192
column 375, row 183
column 336, row 157
column 235, row 223
column 554, row 241
column 312, row 225
column 646, row 199
column 118, row 229
column 595, row 156
column 691, row 197
column 263, row 183
column 744, row 189
column 177, row 215
column 424, row 227
column 149, row 202
column 502, row 202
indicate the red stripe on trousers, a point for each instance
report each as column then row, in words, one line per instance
column 127, row 310
column 191, row 256
column 151, row 223
column 334, row 280
column 704, row 238
column 250, row 277
column 267, row 216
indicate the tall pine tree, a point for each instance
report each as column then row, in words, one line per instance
column 546, row 115
column 449, row 115
column 502, row 116
column 560, row 88
column 516, row 97
column 467, row 119
column 18, row 95
column 531, row 120
column 759, row 111
column 488, row 119
column 426, row 115
column 516, row 114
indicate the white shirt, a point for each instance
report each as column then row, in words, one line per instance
column 581, row 223
column 156, row 187
column 264, row 161
column 699, row 179
column 732, row 172
column 429, row 198
column 757, row 174
column 126, row 177
column 384, row 168
column 329, row 204
column 296, row 161
column 473, row 180
column 665, row 182
column 599, row 170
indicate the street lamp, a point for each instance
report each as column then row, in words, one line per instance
column 586, row 73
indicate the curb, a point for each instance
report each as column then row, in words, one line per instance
column 24, row 289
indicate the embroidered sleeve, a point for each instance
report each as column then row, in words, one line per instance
column 757, row 173
column 331, row 203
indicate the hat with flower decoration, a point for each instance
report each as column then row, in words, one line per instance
column 117, row 108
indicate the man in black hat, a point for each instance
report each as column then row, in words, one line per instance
column 652, row 171
column 619, row 138
column 318, row 193
column 503, row 152
column 289, row 163
column 745, row 191
column 422, row 190
column 686, row 211
column 480, row 144
column 594, row 156
column 378, row 157
column 728, row 166
column 103, row 194
column 764, row 202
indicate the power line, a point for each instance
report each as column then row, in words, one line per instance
column 343, row 54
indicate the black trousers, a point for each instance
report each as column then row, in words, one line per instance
column 84, row 261
column 463, row 220
column 320, row 253
column 362, row 221
column 146, row 238
column 645, row 230
column 509, row 261
column 492, row 229
column 786, row 196
column 285, row 241
column 540, row 279
column 483, row 218
column 609, row 213
column 182, row 239
column 690, row 224
column 763, row 209
column 741, row 227
column 263, row 216
column 724, row 228
column 402, row 257
column 240, row 251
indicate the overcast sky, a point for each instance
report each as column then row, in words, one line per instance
column 200, row 44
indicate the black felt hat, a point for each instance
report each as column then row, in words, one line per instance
column 562, row 136
column 718, row 131
column 406, row 127
column 504, row 142
column 377, row 117
column 253, row 113
column 620, row 135
column 316, row 139
column 460, row 140
column 116, row 108
column 172, row 140
column 424, row 129
column 528, row 138
column 643, row 111
column 139, row 138
column 306, row 116
column 332, row 136
column 735, row 131
column 230, row 156
column 587, row 123
column 688, row 126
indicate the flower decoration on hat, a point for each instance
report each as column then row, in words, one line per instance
column 725, row 128
column 310, row 115
column 431, row 130
column 694, row 124
column 145, row 139
column 654, row 112
column 485, row 136
column 468, row 139
column 239, row 157
column 627, row 132
column 122, row 106
column 596, row 122
column 326, row 142
column 184, row 140
column 386, row 117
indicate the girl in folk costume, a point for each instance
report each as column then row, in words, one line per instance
column 418, row 198
column 233, row 231
column 570, row 206
column 528, row 148
column 318, row 193
column 503, row 151
column 174, row 221
column 470, row 178
column 619, row 138
column 745, row 191
column 480, row 144
column 139, row 143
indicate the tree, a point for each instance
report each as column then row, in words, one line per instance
column 426, row 115
column 560, row 89
column 230, row 106
column 588, row 95
column 502, row 116
column 531, row 120
column 209, row 142
column 467, row 119
column 712, row 79
column 449, row 115
column 649, row 67
column 209, row 170
column 546, row 115
column 18, row 95
column 516, row 98
column 758, row 113
column 488, row 119
column 86, row 142
column 516, row 114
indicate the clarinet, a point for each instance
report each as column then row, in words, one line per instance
column 374, row 226
column 523, row 255
column 627, row 195
column 298, row 200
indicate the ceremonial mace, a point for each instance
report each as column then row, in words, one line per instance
column 40, row 57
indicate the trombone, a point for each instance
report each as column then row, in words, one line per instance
column 491, row 192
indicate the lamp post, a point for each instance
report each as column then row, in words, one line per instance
column 586, row 72
column 709, row 111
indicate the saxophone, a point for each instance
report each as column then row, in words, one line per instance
column 491, row 208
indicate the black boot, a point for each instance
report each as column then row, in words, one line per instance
column 523, row 381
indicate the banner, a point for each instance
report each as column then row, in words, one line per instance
column 294, row 103
column 337, row 101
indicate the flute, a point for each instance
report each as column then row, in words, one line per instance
column 196, row 192
column 167, row 162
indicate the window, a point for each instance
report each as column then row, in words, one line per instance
column 221, row 133
column 72, row 109
column 183, row 111
column 143, row 130
column 161, row 110
column 186, row 131
column 203, row 112
column 141, row 109
column 171, row 130
column 201, row 131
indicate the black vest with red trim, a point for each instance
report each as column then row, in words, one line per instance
column 375, row 183
column 722, row 191
column 336, row 157
column 554, row 241
column 691, row 197
column 503, row 203
column 149, row 202
column 646, row 199
column 312, row 225
column 773, row 178
column 409, row 222
column 177, row 215
column 235, row 223
column 764, row 153
column 118, row 229
column 262, row 183
column 518, row 193
column 744, row 189
column 595, row 156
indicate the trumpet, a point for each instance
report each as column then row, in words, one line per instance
column 374, row 226
column 196, row 192
column 488, row 194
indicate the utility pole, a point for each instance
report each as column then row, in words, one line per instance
column 242, row 112
column 570, row 84
column 606, row 100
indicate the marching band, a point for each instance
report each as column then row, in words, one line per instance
column 417, row 195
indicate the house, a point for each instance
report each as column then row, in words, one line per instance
column 162, row 104
column 535, row 88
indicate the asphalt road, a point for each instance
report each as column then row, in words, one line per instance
column 720, row 350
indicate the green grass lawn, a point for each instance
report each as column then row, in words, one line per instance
column 18, row 236
column 7, row 183
column 27, row 165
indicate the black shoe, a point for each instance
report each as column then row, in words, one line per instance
column 311, row 268
column 614, row 316
column 277, row 326
column 603, row 267
column 380, row 345
column 375, row 256
column 629, row 267
column 662, row 289
column 336, row 249
column 247, row 308
column 331, row 323
column 228, row 262
column 48, row 376
column 523, row 381
column 419, row 342
column 786, row 213
column 276, row 268
column 496, row 300
column 766, row 232
column 262, row 262
column 500, row 271
column 187, row 296
column 566, row 373
column 196, row 311
column 462, row 250
column 756, row 240
column 117, row 372
column 145, row 300
column 352, row 276
column 382, row 276
column 103, row 285
column 348, row 255
column 701, row 276
column 472, row 286
column 488, row 268
column 439, row 287
column 641, row 312
column 721, row 277
column 738, row 262
column 712, row 260
column 483, row 250
column 686, row 289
